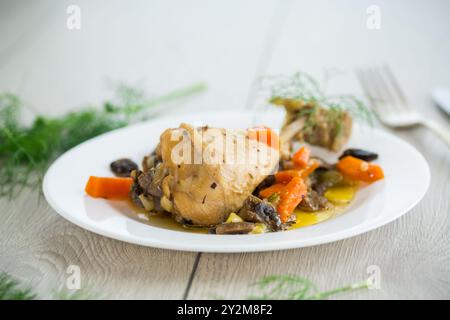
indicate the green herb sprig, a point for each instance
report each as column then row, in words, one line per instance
column 286, row 287
column 27, row 151
column 303, row 87
column 12, row 289
column 274, row 287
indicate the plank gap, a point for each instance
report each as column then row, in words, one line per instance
column 192, row 275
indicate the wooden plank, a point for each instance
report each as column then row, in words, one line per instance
column 158, row 45
column 219, row 45
column 38, row 246
column 413, row 253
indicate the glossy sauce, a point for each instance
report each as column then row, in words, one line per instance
column 165, row 220
column 304, row 219
column 342, row 196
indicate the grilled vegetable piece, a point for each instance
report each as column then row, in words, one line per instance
column 301, row 157
column 233, row 217
column 123, row 167
column 290, row 197
column 146, row 189
column 150, row 161
column 276, row 188
column 360, row 154
column 324, row 179
column 108, row 188
column 259, row 228
column 234, row 228
column 358, row 169
column 267, row 182
column 286, row 175
column 147, row 201
column 260, row 211
column 312, row 202
column 340, row 195
column 310, row 168
column 151, row 180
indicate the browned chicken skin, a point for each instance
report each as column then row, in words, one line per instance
column 217, row 183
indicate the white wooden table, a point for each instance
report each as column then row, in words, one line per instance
column 162, row 45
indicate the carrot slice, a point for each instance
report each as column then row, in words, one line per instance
column 310, row 168
column 301, row 157
column 265, row 135
column 108, row 188
column 267, row 192
column 290, row 197
column 285, row 176
column 358, row 169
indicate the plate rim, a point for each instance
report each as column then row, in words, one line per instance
column 269, row 246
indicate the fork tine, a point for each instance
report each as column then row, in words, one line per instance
column 378, row 83
column 371, row 88
column 395, row 85
column 363, row 83
column 362, row 76
column 395, row 101
column 387, row 94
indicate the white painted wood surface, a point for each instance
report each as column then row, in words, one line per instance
column 162, row 45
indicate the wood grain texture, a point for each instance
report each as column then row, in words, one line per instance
column 229, row 49
column 37, row 246
column 157, row 45
column 413, row 253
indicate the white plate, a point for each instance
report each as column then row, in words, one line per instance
column 406, row 180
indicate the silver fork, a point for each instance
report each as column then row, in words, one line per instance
column 390, row 104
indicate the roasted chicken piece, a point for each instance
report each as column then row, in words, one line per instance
column 211, row 172
column 328, row 128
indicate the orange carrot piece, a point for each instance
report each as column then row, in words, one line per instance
column 265, row 135
column 290, row 197
column 310, row 169
column 301, row 157
column 267, row 192
column 108, row 188
column 358, row 169
column 285, row 176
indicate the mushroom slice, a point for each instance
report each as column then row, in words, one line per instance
column 235, row 228
column 150, row 181
column 123, row 167
column 257, row 210
column 313, row 202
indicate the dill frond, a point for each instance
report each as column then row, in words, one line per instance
column 11, row 289
column 27, row 151
column 75, row 295
column 303, row 87
column 286, row 287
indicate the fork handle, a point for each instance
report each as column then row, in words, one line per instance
column 439, row 130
